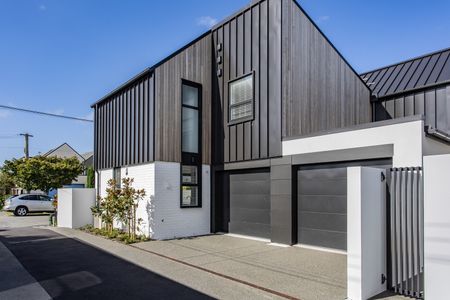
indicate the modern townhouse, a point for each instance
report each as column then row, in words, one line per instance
column 252, row 128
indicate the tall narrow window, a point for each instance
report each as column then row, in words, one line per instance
column 117, row 177
column 191, row 144
column 241, row 99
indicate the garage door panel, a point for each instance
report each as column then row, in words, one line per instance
column 322, row 207
column 252, row 187
column 251, row 201
column 324, row 174
column 321, row 238
column 251, row 215
column 323, row 221
column 250, row 204
column 251, row 229
column 328, row 204
column 319, row 186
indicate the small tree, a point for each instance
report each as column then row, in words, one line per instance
column 43, row 173
column 108, row 207
column 90, row 181
column 120, row 204
column 130, row 198
column 6, row 184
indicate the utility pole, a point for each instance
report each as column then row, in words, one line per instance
column 26, row 136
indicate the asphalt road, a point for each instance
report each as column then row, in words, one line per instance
column 69, row 269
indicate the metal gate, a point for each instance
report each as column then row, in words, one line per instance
column 405, row 234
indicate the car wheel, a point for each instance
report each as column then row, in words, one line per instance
column 21, row 211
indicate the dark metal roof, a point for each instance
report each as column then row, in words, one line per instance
column 417, row 73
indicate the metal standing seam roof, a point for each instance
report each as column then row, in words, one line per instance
column 413, row 74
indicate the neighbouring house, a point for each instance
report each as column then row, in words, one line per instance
column 65, row 151
column 250, row 129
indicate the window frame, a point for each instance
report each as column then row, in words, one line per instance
column 252, row 101
column 198, row 185
column 189, row 158
column 118, row 182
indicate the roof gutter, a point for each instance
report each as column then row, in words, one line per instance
column 436, row 133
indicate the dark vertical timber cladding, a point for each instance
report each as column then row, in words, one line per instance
column 320, row 91
column 226, row 77
column 232, row 74
column 431, row 102
column 263, row 84
column 274, row 78
column 255, row 29
column 252, row 44
column 192, row 63
column 240, row 45
column 124, row 126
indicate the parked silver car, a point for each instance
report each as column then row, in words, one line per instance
column 21, row 205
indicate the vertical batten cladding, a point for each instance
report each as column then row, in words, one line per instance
column 124, row 125
column 433, row 103
column 320, row 91
column 251, row 43
column 192, row 63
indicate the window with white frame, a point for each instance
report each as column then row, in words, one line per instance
column 241, row 99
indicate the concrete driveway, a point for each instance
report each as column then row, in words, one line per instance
column 9, row 220
column 296, row 272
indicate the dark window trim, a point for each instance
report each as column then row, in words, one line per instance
column 118, row 182
column 243, row 119
column 188, row 158
column 198, row 185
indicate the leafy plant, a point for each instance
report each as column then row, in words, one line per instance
column 6, row 184
column 90, row 180
column 108, row 208
column 42, row 173
column 120, row 204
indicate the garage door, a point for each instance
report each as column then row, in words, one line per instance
column 322, row 207
column 250, row 204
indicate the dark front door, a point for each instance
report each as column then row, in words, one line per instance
column 250, row 203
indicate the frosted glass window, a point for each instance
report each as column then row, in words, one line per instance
column 190, row 130
column 190, row 95
column 241, row 98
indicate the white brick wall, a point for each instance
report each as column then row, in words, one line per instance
column 170, row 220
column 160, row 209
column 105, row 175
column 144, row 178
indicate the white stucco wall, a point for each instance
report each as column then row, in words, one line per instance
column 436, row 174
column 74, row 207
column 366, row 233
column 406, row 139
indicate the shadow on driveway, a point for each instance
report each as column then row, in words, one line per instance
column 69, row 269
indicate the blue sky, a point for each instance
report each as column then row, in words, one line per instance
column 60, row 56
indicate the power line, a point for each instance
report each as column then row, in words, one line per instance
column 45, row 113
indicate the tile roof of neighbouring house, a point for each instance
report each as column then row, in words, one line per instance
column 416, row 73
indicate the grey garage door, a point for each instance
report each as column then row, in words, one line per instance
column 322, row 207
column 250, row 204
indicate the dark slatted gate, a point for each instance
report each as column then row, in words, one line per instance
column 405, row 234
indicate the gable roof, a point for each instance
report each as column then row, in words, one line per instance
column 416, row 73
column 67, row 147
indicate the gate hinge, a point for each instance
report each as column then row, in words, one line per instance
column 382, row 177
column 383, row 278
